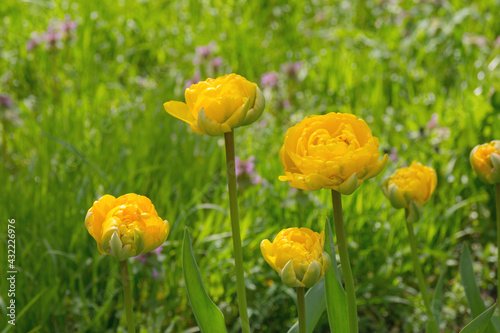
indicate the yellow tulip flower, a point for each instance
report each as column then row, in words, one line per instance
column 217, row 106
column 411, row 188
column 126, row 226
column 485, row 161
column 297, row 255
column 335, row 151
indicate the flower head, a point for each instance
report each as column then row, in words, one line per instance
column 5, row 101
column 335, row 151
column 485, row 161
column 411, row 188
column 33, row 42
column 126, row 226
column 297, row 255
column 291, row 68
column 217, row 106
column 269, row 79
column 216, row 63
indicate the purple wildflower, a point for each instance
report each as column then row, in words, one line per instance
column 244, row 167
column 33, row 42
column 52, row 38
column 476, row 40
column 158, row 250
column 393, row 154
column 68, row 25
column 195, row 79
column 216, row 63
column 204, row 52
column 286, row 104
column 142, row 258
column 155, row 274
column 245, row 170
column 269, row 79
column 5, row 101
column 433, row 123
column 291, row 68
column 497, row 42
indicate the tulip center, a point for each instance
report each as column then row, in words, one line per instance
column 322, row 143
column 125, row 219
column 484, row 152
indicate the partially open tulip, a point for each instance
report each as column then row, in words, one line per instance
column 297, row 255
column 410, row 187
column 217, row 106
column 126, row 226
column 485, row 161
column 335, row 151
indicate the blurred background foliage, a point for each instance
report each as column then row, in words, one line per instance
column 82, row 85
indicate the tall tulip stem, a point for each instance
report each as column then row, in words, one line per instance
column 235, row 228
column 344, row 261
column 127, row 296
column 301, row 307
column 497, row 198
column 420, row 276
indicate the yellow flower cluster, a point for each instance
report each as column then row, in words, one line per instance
column 126, row 226
column 297, row 255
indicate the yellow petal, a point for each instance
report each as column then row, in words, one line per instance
column 179, row 110
column 155, row 233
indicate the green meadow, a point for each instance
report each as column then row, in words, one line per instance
column 82, row 116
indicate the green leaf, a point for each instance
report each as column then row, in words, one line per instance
column 481, row 322
column 496, row 322
column 336, row 298
column 472, row 293
column 209, row 317
column 436, row 303
column 315, row 306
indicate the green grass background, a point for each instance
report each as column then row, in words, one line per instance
column 90, row 122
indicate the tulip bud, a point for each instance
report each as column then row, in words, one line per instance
column 410, row 188
column 298, row 257
column 485, row 161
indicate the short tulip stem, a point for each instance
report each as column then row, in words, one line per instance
column 420, row 276
column 344, row 261
column 235, row 228
column 127, row 296
column 497, row 199
column 301, row 307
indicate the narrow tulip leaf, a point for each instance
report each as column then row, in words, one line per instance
column 336, row 298
column 481, row 322
column 207, row 314
column 472, row 292
column 436, row 304
column 496, row 322
column 315, row 306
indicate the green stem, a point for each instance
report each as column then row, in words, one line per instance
column 497, row 198
column 301, row 307
column 344, row 261
column 420, row 276
column 127, row 296
column 235, row 228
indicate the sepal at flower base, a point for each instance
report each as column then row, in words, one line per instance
column 298, row 257
column 303, row 275
column 414, row 212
